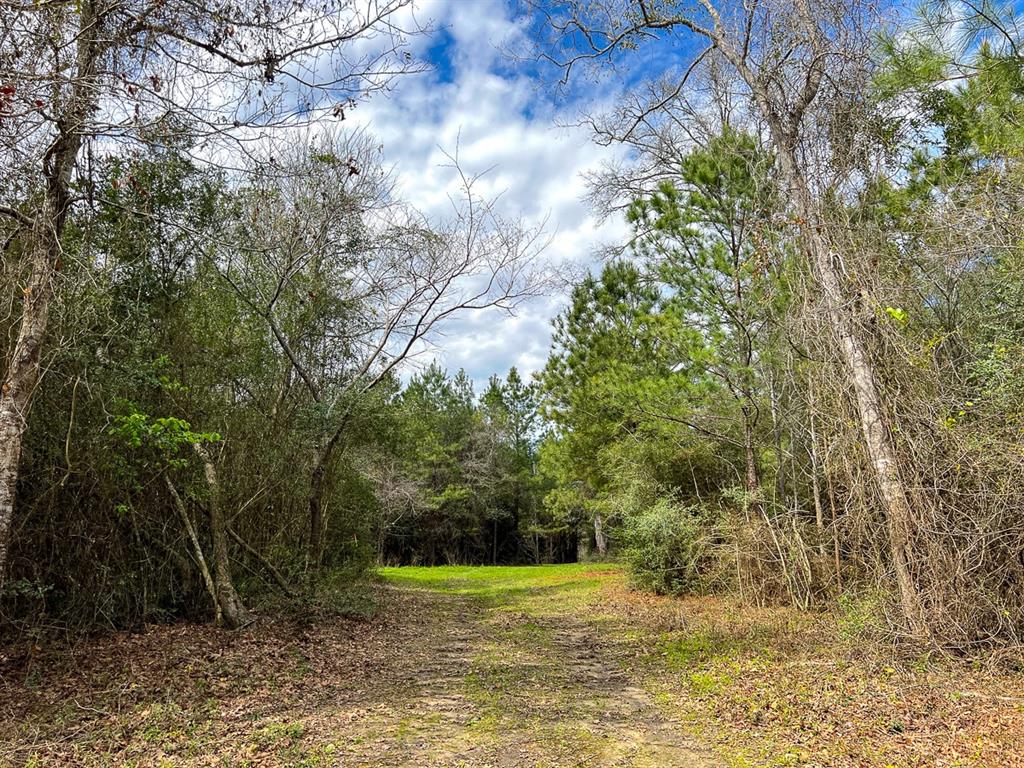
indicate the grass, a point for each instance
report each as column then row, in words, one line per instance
column 505, row 585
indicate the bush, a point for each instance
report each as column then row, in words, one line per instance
column 666, row 547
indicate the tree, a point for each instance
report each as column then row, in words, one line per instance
column 110, row 72
column 805, row 75
column 351, row 282
column 510, row 411
column 603, row 342
column 444, row 457
column 143, row 274
column 710, row 237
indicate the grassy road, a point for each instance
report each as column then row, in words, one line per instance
column 521, row 671
column 532, row 667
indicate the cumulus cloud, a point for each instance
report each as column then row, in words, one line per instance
column 504, row 125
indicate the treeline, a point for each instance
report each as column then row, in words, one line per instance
column 461, row 485
column 802, row 379
column 221, row 413
column 207, row 314
column 799, row 381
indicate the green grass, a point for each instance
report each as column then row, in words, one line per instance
column 484, row 579
column 508, row 586
column 684, row 650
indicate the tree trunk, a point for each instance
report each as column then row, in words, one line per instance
column 197, row 549
column 753, row 475
column 316, row 517
column 22, row 373
column 819, row 510
column 317, row 490
column 599, row 540
column 235, row 614
column 582, row 545
column 872, row 416
column 780, row 473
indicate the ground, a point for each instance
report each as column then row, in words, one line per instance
column 550, row 666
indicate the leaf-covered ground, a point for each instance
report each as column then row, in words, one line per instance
column 550, row 666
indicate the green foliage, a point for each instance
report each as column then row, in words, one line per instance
column 25, row 588
column 897, row 314
column 466, row 470
column 604, row 347
column 961, row 67
column 665, row 547
column 154, row 352
column 656, row 373
column 166, row 435
column 909, row 64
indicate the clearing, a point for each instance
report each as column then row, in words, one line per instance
column 546, row 666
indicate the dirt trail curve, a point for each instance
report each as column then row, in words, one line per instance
column 479, row 683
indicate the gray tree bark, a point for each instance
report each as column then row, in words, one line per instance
column 234, row 612
column 44, row 254
column 600, row 543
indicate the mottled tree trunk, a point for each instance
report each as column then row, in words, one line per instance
column 235, row 614
column 599, row 541
column 23, row 370
column 22, row 374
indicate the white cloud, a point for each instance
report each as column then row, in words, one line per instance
column 505, row 124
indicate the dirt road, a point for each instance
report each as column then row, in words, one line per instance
column 508, row 670
column 518, row 667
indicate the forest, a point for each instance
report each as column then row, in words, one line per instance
column 789, row 390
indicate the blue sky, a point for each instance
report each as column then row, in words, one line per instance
column 509, row 118
column 506, row 118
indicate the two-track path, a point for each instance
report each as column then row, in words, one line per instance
column 510, row 667
column 535, row 667
column 461, row 667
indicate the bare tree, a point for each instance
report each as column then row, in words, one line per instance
column 328, row 227
column 77, row 79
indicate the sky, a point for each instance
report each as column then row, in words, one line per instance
column 505, row 121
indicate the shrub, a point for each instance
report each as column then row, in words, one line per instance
column 666, row 547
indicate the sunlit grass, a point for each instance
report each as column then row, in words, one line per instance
column 508, row 585
column 464, row 578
